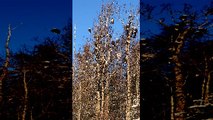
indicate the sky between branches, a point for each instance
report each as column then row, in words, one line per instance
column 85, row 12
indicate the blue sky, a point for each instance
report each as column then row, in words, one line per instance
column 84, row 14
column 31, row 18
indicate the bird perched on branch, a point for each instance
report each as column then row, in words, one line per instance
column 161, row 20
column 112, row 21
column 183, row 17
column 55, row 30
column 89, row 29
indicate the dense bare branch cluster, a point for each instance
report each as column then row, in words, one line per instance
column 107, row 71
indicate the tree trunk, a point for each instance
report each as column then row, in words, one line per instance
column 128, row 105
column 31, row 115
column 98, row 106
column 172, row 105
column 204, row 82
column 6, row 64
column 107, row 78
column 102, row 96
column 179, row 79
column 25, row 95
column 79, row 110
column 138, row 79
column 1, row 80
column 107, row 101
column 179, row 92
column 207, row 88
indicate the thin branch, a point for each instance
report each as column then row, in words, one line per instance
column 6, row 64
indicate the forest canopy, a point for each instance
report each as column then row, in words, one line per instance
column 36, row 82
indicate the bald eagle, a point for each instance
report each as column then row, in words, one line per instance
column 112, row 21
column 55, row 30
column 89, row 29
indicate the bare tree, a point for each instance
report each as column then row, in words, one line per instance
column 103, row 36
column 6, row 64
column 104, row 78
column 130, row 32
column 179, row 78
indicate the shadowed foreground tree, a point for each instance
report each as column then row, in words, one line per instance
column 38, row 84
column 4, row 69
column 169, row 56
